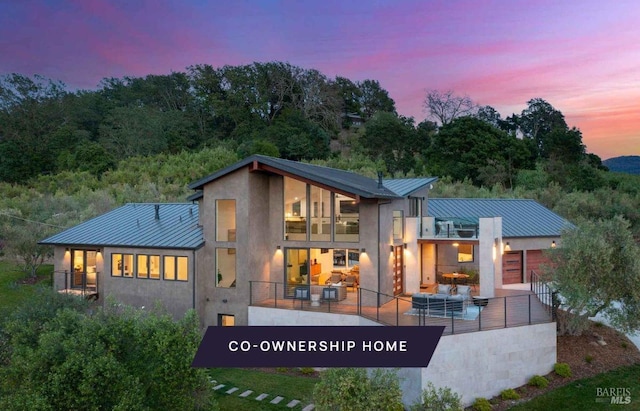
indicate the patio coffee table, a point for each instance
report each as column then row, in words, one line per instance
column 480, row 301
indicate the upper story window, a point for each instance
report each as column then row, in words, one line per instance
column 225, row 267
column 148, row 266
column 226, row 220
column 295, row 209
column 347, row 221
column 316, row 214
column 415, row 207
column 398, row 225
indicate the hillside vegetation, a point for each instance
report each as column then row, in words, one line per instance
column 68, row 156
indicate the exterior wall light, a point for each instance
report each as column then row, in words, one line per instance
column 363, row 250
column 553, row 244
column 455, row 244
column 391, row 248
column 507, row 247
column 277, row 247
column 405, row 246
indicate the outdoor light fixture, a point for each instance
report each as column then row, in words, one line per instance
column 391, row 248
column 507, row 247
column 553, row 244
column 405, row 246
column 277, row 247
column 363, row 250
column 66, row 250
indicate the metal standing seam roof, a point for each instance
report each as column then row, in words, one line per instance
column 406, row 186
column 347, row 181
column 135, row 225
column 520, row 217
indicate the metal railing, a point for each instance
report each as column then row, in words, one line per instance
column 547, row 295
column 479, row 313
column 72, row 285
column 312, row 297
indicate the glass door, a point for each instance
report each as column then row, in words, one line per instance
column 83, row 270
column 297, row 270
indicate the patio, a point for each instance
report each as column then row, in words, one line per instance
column 510, row 308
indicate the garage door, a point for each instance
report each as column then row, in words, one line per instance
column 534, row 260
column 512, row 267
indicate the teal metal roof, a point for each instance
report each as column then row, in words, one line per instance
column 406, row 186
column 520, row 218
column 346, row 181
column 136, row 225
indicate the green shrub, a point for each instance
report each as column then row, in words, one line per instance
column 307, row 370
column 538, row 381
column 440, row 399
column 282, row 369
column 509, row 394
column 588, row 358
column 482, row 404
column 352, row 389
column 562, row 369
column 624, row 344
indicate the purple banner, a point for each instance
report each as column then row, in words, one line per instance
column 317, row 346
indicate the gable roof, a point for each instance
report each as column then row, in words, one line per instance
column 520, row 217
column 346, row 181
column 135, row 225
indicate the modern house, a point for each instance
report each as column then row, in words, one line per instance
column 268, row 241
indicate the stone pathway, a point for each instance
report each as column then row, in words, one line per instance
column 261, row 397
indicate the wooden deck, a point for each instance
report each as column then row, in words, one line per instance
column 510, row 308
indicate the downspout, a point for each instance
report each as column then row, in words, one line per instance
column 194, row 280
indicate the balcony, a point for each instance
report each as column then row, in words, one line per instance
column 450, row 228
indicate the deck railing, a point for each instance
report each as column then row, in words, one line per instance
column 480, row 313
column 547, row 295
column 86, row 289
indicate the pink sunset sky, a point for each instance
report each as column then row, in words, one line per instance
column 583, row 57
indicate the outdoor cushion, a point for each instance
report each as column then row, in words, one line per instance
column 444, row 289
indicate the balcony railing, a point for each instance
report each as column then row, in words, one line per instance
column 451, row 227
column 515, row 308
column 84, row 284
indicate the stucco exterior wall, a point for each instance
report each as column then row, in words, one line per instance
column 175, row 296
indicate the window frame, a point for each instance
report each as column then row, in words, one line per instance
column 148, row 266
column 176, row 266
column 121, row 273
column 472, row 253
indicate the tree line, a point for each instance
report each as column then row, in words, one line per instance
column 281, row 110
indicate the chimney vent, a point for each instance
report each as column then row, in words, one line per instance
column 380, row 179
column 157, row 207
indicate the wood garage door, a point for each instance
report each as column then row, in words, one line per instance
column 512, row 267
column 534, row 260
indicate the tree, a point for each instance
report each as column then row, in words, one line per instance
column 446, row 107
column 61, row 357
column 351, row 389
column 373, row 99
column 392, row 139
column 593, row 271
column 470, row 148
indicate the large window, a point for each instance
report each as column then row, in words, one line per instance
column 311, row 213
column 225, row 267
column 297, row 272
column 295, row 209
column 320, row 214
column 347, row 212
column 176, row 268
column 398, row 225
column 415, row 207
column 122, row 265
column 148, row 266
column 226, row 220
column 465, row 253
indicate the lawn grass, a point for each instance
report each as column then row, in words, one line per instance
column 288, row 386
column 12, row 294
column 582, row 394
